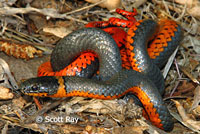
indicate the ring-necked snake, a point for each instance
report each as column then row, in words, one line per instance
column 114, row 81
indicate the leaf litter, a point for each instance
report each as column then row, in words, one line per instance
column 40, row 24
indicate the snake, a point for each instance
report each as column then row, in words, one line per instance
column 140, row 76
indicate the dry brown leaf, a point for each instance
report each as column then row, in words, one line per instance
column 187, row 2
column 136, row 129
column 5, row 93
column 130, row 130
column 6, row 76
column 109, row 4
column 68, row 128
column 19, row 102
column 34, row 126
column 94, row 130
column 129, row 4
column 186, row 120
column 193, row 63
column 196, row 111
column 194, row 11
column 54, row 4
column 94, row 106
column 19, row 51
column 186, row 71
column 58, row 31
column 193, row 6
column 196, row 98
column 185, row 87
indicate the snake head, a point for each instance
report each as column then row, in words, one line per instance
column 40, row 86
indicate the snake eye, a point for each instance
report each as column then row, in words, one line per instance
column 34, row 88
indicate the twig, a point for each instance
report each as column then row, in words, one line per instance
column 166, row 7
column 175, row 97
column 182, row 14
column 175, row 87
column 45, row 11
column 178, row 82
